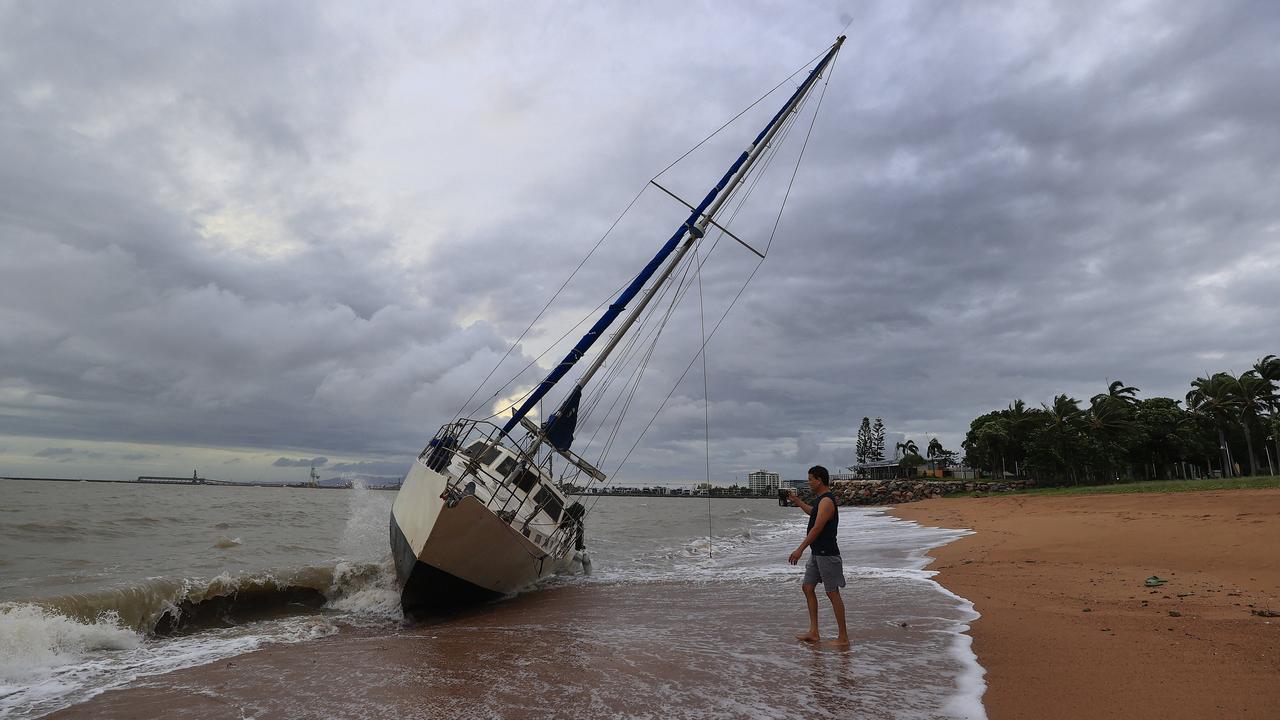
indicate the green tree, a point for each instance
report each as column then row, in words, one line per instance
column 943, row 457
column 1268, row 368
column 910, row 454
column 986, row 442
column 1254, row 396
column 1118, row 392
column 1166, row 434
column 1057, row 445
column 1021, row 423
column 1214, row 398
column 1109, row 431
column 862, row 449
column 877, row 441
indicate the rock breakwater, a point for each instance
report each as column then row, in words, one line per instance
column 892, row 492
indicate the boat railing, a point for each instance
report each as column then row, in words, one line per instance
column 455, row 440
column 573, row 458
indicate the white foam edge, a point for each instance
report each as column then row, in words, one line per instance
column 65, row 685
column 971, row 683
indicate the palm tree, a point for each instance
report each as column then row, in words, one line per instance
column 907, row 448
column 1268, row 368
column 1253, row 395
column 1214, row 398
column 989, row 442
column 1062, row 416
column 941, row 457
column 1119, row 393
column 1062, row 410
column 1110, row 423
column 1021, row 420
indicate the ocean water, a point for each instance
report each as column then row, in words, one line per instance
column 161, row 591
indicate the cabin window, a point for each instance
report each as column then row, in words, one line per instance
column 526, row 479
column 476, row 448
column 550, row 504
column 490, row 456
column 506, row 466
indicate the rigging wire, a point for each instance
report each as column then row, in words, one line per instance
column 626, row 356
column 684, row 285
column 742, row 289
column 706, row 403
column 638, row 373
column 591, row 313
column 559, row 290
column 785, row 80
column 632, row 355
column 511, row 348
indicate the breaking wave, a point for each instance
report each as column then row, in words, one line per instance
column 61, row 650
column 165, row 607
column 34, row 638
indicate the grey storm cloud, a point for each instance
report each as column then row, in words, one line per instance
column 66, row 454
column 373, row 468
column 301, row 462
column 302, row 225
column 55, row 452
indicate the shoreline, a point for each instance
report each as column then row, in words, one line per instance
column 695, row 639
column 1067, row 627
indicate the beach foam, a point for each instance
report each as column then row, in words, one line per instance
column 884, row 560
column 34, row 639
column 64, row 650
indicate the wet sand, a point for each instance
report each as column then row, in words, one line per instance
column 659, row 650
column 1068, row 629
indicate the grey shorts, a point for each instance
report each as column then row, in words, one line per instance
column 827, row 568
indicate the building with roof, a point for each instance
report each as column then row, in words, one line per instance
column 763, row 482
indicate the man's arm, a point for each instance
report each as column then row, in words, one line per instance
column 825, row 511
column 795, row 500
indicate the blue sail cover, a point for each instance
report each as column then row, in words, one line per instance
column 560, row 427
column 564, row 420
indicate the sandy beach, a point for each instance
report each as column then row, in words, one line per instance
column 1068, row 628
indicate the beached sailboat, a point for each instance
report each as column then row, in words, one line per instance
column 482, row 513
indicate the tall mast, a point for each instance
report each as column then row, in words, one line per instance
column 561, row 424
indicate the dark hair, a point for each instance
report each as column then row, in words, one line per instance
column 821, row 473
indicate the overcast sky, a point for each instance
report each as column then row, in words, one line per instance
column 246, row 237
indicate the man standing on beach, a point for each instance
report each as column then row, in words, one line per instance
column 824, row 555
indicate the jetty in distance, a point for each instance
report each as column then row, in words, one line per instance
column 195, row 479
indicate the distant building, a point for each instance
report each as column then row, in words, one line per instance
column 763, row 482
column 883, row 470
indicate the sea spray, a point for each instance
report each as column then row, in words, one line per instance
column 34, row 639
column 364, row 537
column 48, row 661
column 366, row 591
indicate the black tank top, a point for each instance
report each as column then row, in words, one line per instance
column 825, row 543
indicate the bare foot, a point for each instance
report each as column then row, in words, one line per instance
column 809, row 637
column 838, row 643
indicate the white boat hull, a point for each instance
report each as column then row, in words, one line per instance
column 450, row 556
